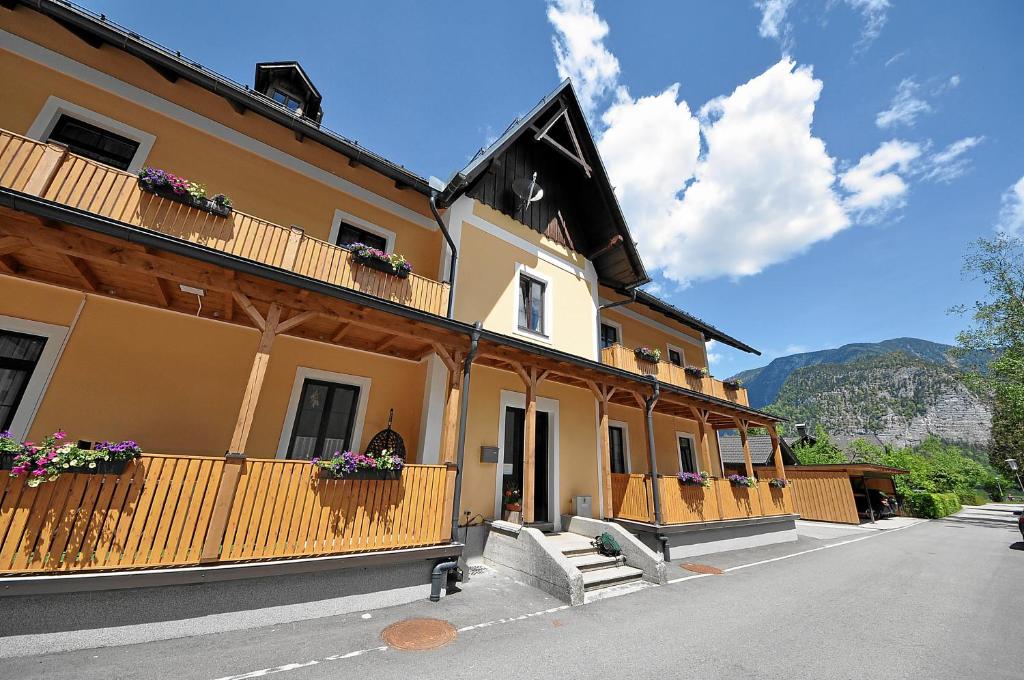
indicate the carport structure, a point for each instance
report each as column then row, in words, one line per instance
column 829, row 492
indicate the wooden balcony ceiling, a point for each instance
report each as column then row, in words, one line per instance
column 40, row 249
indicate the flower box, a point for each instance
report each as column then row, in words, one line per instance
column 103, row 467
column 731, row 385
column 647, row 354
column 694, row 371
column 200, row 203
column 700, row 479
column 513, row 507
column 742, row 481
column 362, row 474
column 778, row 483
column 7, row 460
column 380, row 265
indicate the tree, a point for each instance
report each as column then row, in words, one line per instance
column 998, row 327
column 821, row 452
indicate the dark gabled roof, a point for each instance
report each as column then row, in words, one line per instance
column 97, row 30
column 731, row 448
column 618, row 263
column 687, row 319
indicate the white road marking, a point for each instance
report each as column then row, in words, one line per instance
column 797, row 554
column 497, row 622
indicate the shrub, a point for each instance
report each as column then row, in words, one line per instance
column 932, row 505
column 971, row 497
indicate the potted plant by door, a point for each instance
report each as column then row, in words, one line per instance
column 513, row 499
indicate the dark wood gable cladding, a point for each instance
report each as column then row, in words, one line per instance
column 578, row 209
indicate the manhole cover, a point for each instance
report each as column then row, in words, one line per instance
column 701, row 568
column 418, row 634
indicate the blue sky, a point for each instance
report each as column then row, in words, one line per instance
column 800, row 174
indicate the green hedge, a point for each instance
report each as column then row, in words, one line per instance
column 971, row 497
column 932, row 505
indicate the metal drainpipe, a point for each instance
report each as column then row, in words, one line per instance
column 467, row 366
column 653, row 462
column 451, row 245
column 435, row 578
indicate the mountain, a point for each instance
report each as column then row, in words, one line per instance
column 897, row 398
column 763, row 384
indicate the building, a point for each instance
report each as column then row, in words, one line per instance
column 238, row 340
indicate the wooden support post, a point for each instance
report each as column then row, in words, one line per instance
column 234, row 464
column 291, row 248
column 780, row 469
column 603, row 395
column 251, row 396
column 44, row 172
column 450, row 424
column 532, row 377
column 702, row 443
column 742, row 427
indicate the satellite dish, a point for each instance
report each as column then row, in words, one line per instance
column 527, row 191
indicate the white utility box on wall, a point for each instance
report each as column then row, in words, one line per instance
column 581, row 506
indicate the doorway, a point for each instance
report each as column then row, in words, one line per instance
column 514, row 449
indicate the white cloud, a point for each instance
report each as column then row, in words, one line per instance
column 954, row 81
column 946, row 165
column 905, row 107
column 896, row 57
column 760, row 194
column 1011, row 215
column 580, row 53
column 714, row 356
column 875, row 185
column 774, row 23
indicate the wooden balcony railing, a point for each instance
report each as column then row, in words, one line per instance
column 48, row 171
column 162, row 513
column 633, row 499
column 621, row 357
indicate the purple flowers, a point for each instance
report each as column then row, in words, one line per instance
column 363, row 252
column 160, row 181
column 694, row 478
column 742, row 480
column 345, row 463
column 46, row 462
column 121, row 451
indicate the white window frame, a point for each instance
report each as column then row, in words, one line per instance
column 55, row 107
column 304, row 372
column 617, row 325
column 549, row 320
column 693, row 449
column 677, row 348
column 549, row 406
column 624, row 426
column 32, row 397
column 342, row 216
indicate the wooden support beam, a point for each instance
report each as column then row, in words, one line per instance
column 11, row 244
column 386, row 343
column 9, row 264
column 162, row 290
column 82, row 270
column 607, row 511
column 246, row 304
column 532, row 377
column 741, row 426
column 229, row 306
column 780, row 468
column 251, row 396
column 450, row 422
column 294, row 321
column 341, row 331
column 702, row 429
column 444, row 356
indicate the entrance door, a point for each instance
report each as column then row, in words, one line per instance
column 515, row 433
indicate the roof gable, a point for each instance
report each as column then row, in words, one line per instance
column 552, row 147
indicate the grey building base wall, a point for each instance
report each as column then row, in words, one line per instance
column 637, row 554
column 523, row 554
column 34, row 624
column 475, row 538
column 712, row 537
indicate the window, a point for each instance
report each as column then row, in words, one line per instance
column 609, row 335
column 675, row 357
column 19, row 354
column 325, row 419
column 617, row 439
column 687, row 456
column 94, row 142
column 348, row 234
column 286, row 100
column 531, row 304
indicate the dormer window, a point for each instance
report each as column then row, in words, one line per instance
column 286, row 100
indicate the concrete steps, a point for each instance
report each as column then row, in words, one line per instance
column 598, row 570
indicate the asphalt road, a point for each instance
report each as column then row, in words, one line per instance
column 940, row 599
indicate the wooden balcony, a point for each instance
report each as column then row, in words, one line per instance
column 633, row 499
column 626, row 359
column 50, row 172
column 168, row 511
